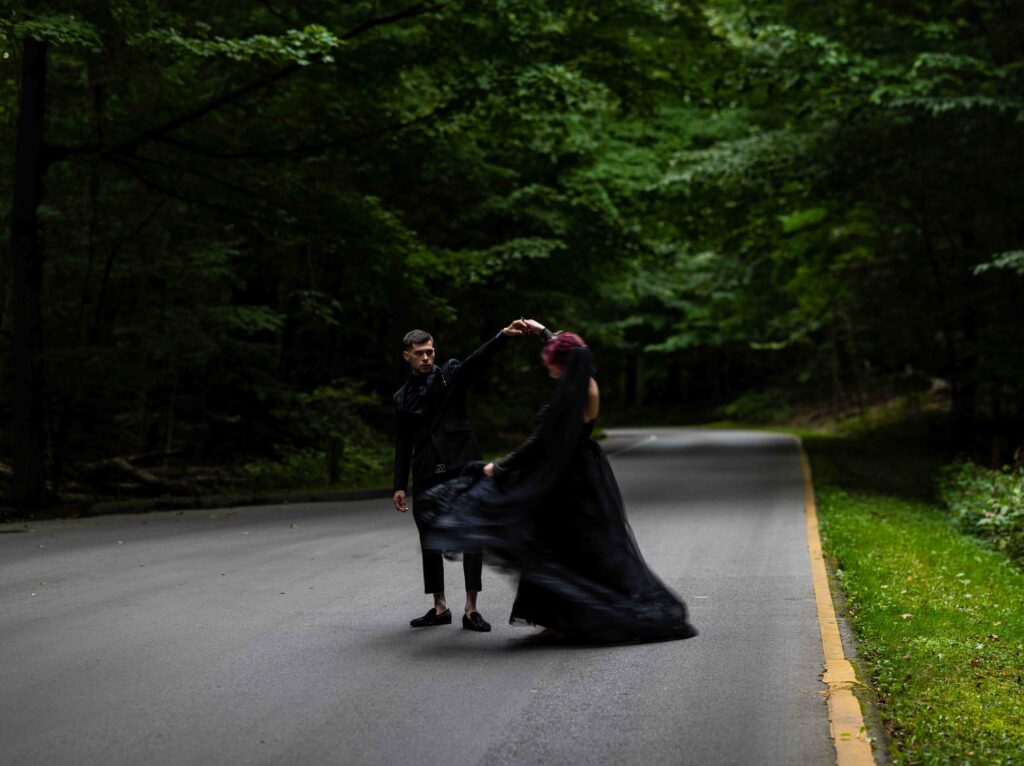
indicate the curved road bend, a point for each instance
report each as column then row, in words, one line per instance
column 280, row 635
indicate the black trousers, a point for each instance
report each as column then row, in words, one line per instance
column 433, row 561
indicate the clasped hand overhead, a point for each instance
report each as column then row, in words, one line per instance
column 523, row 327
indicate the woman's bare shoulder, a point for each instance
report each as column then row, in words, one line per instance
column 593, row 400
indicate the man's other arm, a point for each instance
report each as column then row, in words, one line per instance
column 403, row 458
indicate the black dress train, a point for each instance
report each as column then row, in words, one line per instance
column 553, row 513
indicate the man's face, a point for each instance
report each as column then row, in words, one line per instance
column 420, row 357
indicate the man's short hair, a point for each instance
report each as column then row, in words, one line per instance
column 416, row 338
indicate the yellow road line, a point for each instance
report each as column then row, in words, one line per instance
column 845, row 720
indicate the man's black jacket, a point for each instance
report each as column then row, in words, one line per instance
column 433, row 432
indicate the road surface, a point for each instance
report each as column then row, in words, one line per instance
column 279, row 635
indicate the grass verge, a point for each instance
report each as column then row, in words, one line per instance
column 939, row 618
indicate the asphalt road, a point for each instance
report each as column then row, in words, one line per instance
column 279, row 635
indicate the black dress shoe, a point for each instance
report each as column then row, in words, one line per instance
column 433, row 618
column 475, row 621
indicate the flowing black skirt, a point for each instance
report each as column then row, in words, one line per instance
column 581, row 572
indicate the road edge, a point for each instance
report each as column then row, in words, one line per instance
column 846, row 722
column 201, row 502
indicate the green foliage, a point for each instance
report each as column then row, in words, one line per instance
column 336, row 411
column 802, row 219
column 895, row 453
column 766, row 407
column 294, row 468
column 475, row 267
column 987, row 503
column 245, row 204
column 57, row 29
column 303, row 47
column 750, row 161
column 944, row 82
column 839, row 115
column 1012, row 261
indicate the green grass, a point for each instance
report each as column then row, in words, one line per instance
column 940, row 623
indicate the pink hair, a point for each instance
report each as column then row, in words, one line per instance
column 558, row 348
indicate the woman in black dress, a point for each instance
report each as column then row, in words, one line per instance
column 552, row 511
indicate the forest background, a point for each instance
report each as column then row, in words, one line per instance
column 225, row 215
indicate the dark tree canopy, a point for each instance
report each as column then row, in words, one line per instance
column 244, row 206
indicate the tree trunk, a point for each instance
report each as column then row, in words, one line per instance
column 169, row 441
column 28, row 489
column 859, row 366
column 965, row 385
column 335, row 454
column 674, row 379
column 631, row 387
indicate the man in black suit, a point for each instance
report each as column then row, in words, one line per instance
column 434, row 438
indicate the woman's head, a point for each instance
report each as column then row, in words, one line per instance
column 556, row 351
